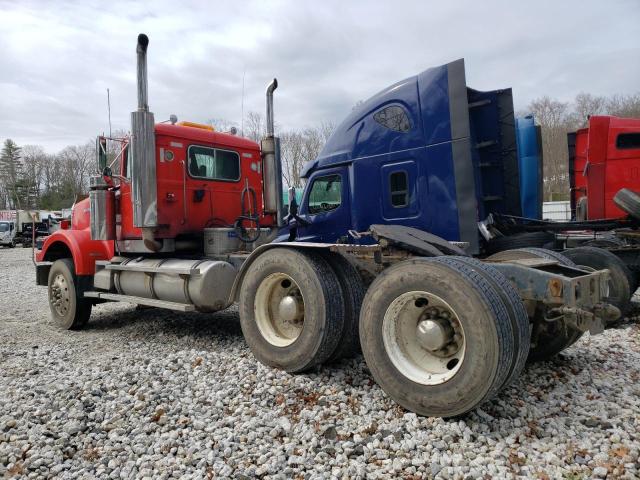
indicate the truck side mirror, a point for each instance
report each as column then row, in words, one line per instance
column 101, row 153
column 293, row 205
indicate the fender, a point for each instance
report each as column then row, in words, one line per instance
column 84, row 251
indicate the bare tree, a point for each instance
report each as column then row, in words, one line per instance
column 254, row 127
column 222, row 124
column 299, row 147
column 627, row 106
column 586, row 105
column 554, row 118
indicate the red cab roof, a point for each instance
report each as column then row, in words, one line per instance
column 205, row 136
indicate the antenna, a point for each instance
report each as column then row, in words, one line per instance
column 242, row 105
column 109, row 110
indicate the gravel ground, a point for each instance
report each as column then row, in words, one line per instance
column 149, row 393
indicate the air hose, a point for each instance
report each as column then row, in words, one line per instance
column 247, row 215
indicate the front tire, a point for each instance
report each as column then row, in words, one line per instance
column 436, row 337
column 291, row 310
column 68, row 310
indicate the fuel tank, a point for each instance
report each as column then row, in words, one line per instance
column 203, row 283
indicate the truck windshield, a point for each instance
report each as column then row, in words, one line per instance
column 4, row 227
column 325, row 194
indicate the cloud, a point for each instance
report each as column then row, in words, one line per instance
column 58, row 58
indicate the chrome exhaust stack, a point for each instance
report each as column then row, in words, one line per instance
column 143, row 153
column 271, row 163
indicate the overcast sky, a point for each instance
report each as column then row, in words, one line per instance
column 58, row 58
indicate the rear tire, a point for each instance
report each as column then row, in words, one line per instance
column 68, row 310
column 353, row 292
column 291, row 311
column 411, row 360
column 518, row 240
column 513, row 303
column 628, row 201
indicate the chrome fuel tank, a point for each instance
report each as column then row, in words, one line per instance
column 203, row 283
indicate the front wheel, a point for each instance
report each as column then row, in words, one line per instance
column 437, row 337
column 68, row 310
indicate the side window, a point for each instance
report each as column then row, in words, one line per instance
column 325, row 194
column 399, row 189
column 393, row 117
column 214, row 164
column 626, row 141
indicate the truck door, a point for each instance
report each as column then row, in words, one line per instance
column 326, row 206
column 399, row 197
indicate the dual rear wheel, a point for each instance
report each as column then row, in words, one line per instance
column 299, row 309
column 440, row 336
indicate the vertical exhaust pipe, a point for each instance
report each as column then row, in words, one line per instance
column 143, row 153
column 270, row 88
column 141, row 54
column 272, row 165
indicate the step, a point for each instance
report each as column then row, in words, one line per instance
column 149, row 302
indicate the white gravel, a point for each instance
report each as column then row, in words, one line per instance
column 150, row 393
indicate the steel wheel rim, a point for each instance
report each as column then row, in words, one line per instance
column 423, row 338
column 60, row 298
column 279, row 310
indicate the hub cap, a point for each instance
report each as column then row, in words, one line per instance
column 279, row 310
column 423, row 338
column 60, row 296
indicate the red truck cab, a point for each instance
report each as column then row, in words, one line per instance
column 202, row 176
column 603, row 158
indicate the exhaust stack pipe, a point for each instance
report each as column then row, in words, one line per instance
column 141, row 52
column 271, row 163
column 143, row 150
column 270, row 88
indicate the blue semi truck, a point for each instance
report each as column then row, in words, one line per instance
column 380, row 255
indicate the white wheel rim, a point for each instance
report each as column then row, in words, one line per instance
column 423, row 338
column 279, row 310
column 60, row 297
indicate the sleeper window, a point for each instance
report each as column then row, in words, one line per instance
column 628, row 141
column 399, row 189
column 394, row 118
column 325, row 194
column 214, row 164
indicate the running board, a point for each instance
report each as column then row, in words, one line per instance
column 149, row 302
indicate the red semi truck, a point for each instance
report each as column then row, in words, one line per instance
column 603, row 159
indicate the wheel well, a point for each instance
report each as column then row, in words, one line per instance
column 56, row 251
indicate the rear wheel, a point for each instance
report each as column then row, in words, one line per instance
column 513, row 303
column 436, row 337
column 290, row 309
column 68, row 310
column 628, row 201
column 353, row 292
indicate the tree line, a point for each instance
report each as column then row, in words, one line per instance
column 558, row 118
column 30, row 178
